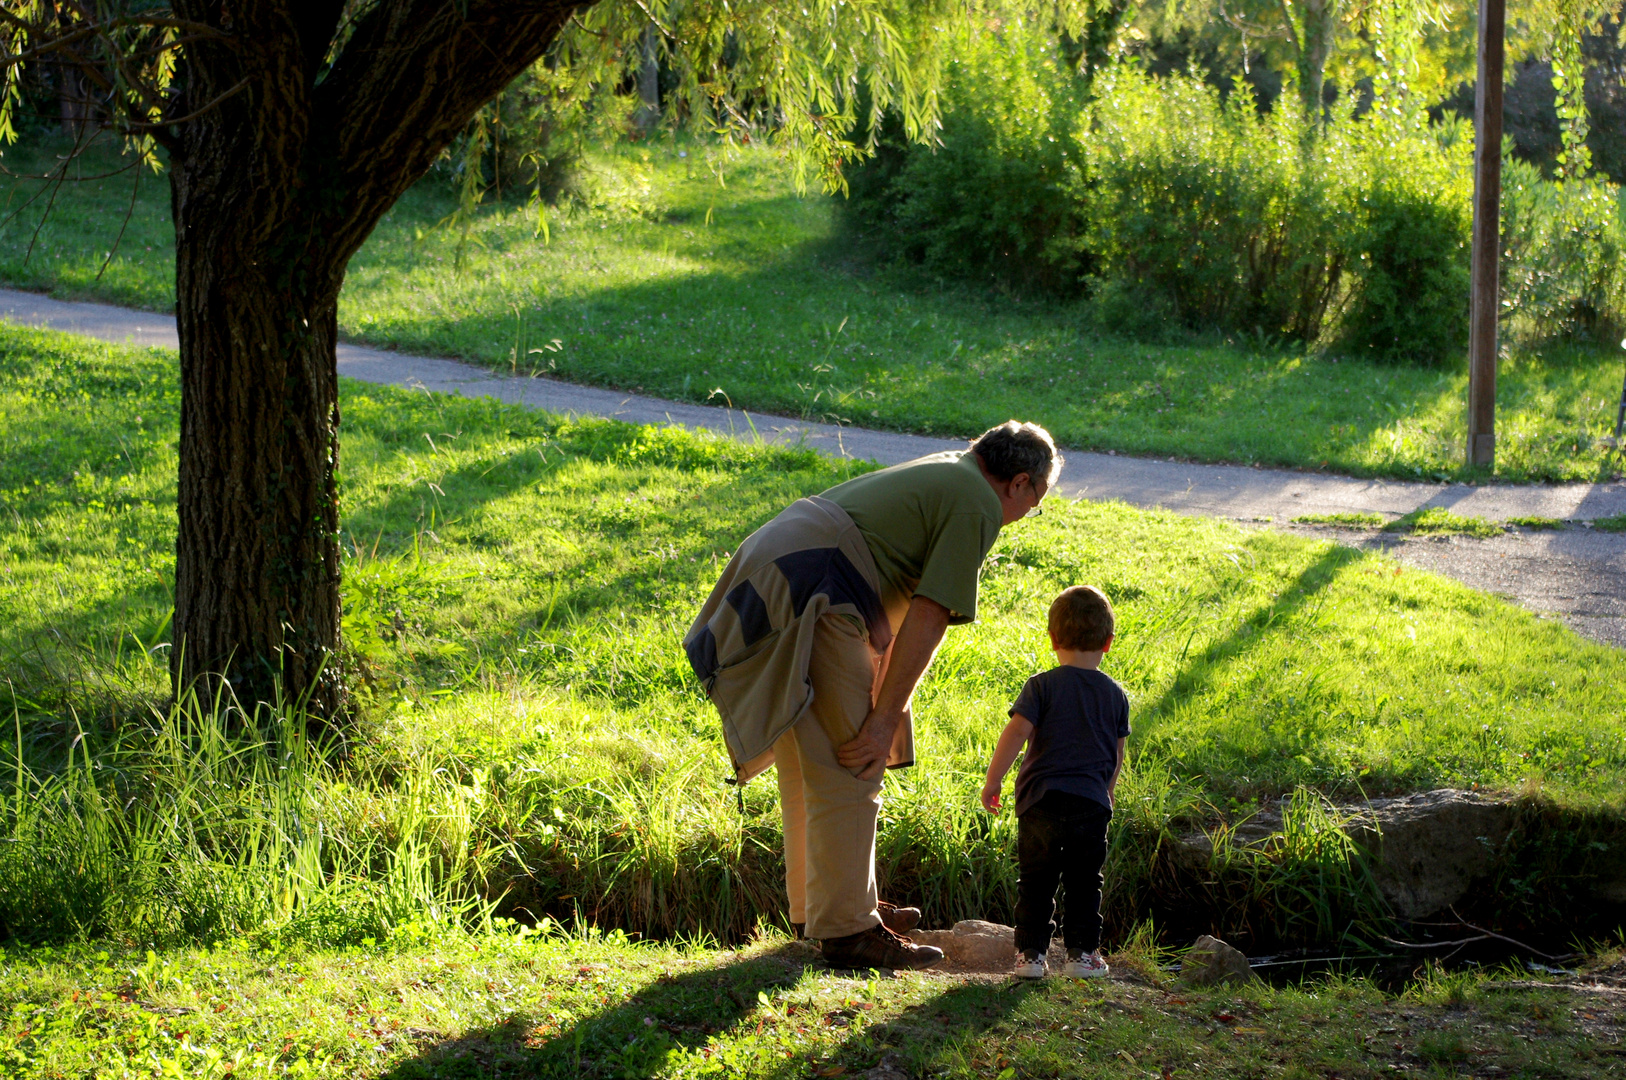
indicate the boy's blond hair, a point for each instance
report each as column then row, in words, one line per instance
column 1081, row 619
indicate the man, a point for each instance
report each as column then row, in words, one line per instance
column 814, row 639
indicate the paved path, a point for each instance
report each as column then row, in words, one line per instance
column 1576, row 573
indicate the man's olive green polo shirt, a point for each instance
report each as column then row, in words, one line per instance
column 929, row 523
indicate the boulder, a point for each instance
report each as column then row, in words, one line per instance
column 1430, row 849
column 973, row 945
column 1211, row 962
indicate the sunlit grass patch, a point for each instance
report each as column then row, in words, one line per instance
column 1438, row 521
column 559, row 1006
column 531, row 736
column 1351, row 518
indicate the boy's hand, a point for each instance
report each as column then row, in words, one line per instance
column 990, row 797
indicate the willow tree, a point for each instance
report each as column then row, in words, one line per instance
column 289, row 128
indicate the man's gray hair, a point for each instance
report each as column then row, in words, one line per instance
column 1014, row 447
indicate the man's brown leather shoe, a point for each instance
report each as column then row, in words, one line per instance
column 899, row 920
column 878, row 947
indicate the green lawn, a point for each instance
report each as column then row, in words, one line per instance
column 676, row 285
column 516, row 587
column 491, row 1005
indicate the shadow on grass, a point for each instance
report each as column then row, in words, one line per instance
column 716, row 1011
column 1250, row 633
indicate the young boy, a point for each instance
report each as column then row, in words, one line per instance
column 1074, row 720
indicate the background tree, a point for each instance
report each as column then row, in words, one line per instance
column 288, row 129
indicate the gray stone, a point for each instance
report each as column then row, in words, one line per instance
column 1430, row 849
column 1211, row 962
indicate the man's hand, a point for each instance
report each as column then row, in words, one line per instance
column 868, row 751
column 990, row 797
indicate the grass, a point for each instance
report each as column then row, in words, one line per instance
column 1438, row 521
column 515, row 588
column 1543, row 523
column 1351, row 518
column 670, row 283
column 1611, row 524
column 549, row 1005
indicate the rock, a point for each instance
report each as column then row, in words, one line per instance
column 973, row 945
column 984, row 946
column 1211, row 962
column 1430, row 849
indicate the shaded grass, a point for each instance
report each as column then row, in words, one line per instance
column 1611, row 524
column 552, row 1006
column 674, row 285
column 1545, row 523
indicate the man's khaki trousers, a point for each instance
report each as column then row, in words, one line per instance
column 829, row 813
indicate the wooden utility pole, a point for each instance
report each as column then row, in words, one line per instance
column 1487, row 247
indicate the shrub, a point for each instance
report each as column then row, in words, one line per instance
column 1174, row 205
column 990, row 202
column 1564, row 270
column 1410, row 243
column 1219, row 209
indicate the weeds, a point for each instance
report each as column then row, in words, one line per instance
column 1540, row 523
column 1438, row 521
column 1353, row 519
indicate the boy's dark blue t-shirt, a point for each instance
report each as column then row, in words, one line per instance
column 1078, row 716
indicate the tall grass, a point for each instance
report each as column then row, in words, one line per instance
column 196, row 825
column 532, row 740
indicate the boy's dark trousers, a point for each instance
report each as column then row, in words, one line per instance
column 1060, row 839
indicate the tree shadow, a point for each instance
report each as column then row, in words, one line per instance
column 736, row 1013
column 1200, row 671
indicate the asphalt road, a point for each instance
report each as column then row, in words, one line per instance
column 1576, row 573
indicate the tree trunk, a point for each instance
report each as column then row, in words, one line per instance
column 257, row 556
column 275, row 184
column 649, row 82
column 1315, row 37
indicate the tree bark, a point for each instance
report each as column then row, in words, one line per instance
column 275, row 184
column 649, row 81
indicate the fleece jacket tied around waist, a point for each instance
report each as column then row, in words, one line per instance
column 752, row 641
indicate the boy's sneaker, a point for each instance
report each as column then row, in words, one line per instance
column 1084, row 965
column 1030, row 965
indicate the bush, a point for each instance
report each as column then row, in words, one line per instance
column 1564, row 270
column 1214, row 207
column 1410, row 241
column 990, row 203
column 1175, row 206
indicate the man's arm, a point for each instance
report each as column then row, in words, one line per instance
column 911, row 654
column 1011, row 741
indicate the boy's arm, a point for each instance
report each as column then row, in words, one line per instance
column 1112, row 785
column 1011, row 741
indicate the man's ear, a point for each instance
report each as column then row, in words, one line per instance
column 1010, row 488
